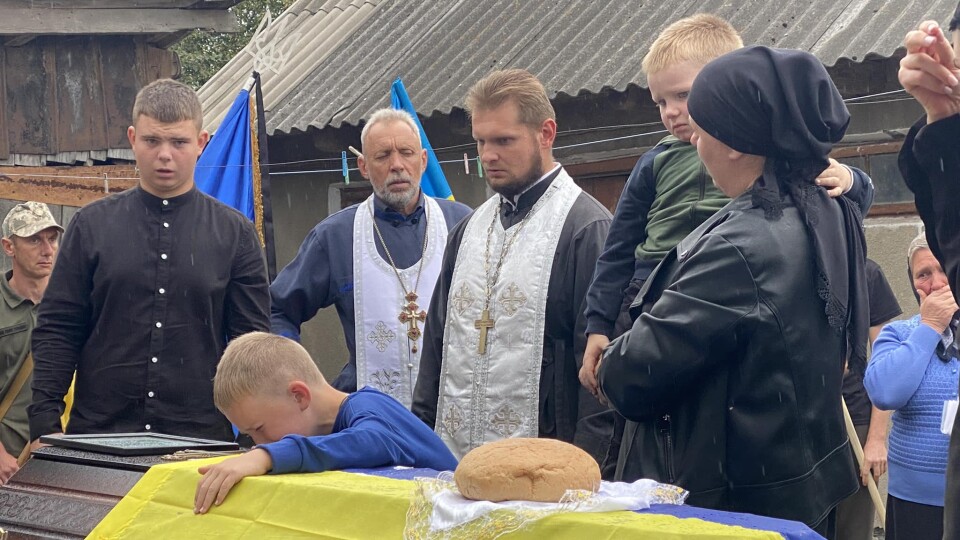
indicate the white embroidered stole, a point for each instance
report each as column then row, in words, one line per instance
column 496, row 395
column 385, row 357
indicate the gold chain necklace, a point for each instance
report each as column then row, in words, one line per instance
column 485, row 322
column 410, row 313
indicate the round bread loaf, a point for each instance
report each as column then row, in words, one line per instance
column 525, row 470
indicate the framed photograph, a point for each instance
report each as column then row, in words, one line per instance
column 135, row 444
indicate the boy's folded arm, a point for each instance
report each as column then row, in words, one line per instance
column 218, row 479
column 354, row 447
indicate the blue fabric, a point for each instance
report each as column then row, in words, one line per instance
column 433, row 183
column 321, row 274
column 225, row 168
column 791, row 530
column 905, row 374
column 372, row 430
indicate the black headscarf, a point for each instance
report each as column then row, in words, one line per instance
column 781, row 104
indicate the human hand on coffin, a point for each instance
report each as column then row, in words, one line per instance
column 8, row 466
column 34, row 446
column 218, row 479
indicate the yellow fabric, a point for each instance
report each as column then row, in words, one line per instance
column 68, row 404
column 348, row 506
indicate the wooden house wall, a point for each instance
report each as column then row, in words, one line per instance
column 74, row 94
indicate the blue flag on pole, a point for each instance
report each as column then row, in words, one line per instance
column 433, row 183
column 225, row 168
column 231, row 169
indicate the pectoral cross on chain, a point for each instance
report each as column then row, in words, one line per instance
column 483, row 324
column 410, row 315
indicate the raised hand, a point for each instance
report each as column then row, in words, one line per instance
column 930, row 72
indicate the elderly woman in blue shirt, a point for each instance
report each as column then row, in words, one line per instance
column 914, row 372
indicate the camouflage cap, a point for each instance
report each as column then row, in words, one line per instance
column 27, row 219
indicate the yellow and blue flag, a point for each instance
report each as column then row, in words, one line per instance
column 433, row 182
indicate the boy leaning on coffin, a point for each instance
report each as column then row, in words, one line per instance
column 31, row 237
column 270, row 388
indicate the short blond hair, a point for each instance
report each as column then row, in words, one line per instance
column 168, row 101
column 517, row 85
column 258, row 364
column 697, row 38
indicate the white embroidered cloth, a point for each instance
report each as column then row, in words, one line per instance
column 440, row 512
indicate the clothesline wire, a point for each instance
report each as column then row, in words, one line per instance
column 339, row 169
column 852, row 101
column 880, row 94
column 473, row 145
column 883, row 101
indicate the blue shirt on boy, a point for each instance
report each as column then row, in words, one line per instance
column 371, row 430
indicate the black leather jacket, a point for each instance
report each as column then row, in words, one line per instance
column 731, row 375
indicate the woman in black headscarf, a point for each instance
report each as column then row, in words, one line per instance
column 731, row 374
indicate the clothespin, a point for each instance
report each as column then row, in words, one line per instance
column 479, row 167
column 343, row 165
column 466, row 163
column 354, row 151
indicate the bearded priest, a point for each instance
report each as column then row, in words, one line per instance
column 376, row 261
column 505, row 328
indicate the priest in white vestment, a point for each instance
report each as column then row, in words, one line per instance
column 505, row 327
column 376, row 261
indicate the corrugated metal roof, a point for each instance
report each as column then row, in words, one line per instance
column 441, row 47
column 285, row 51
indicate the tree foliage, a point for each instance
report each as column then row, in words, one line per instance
column 202, row 54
